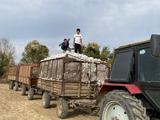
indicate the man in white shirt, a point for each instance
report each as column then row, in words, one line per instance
column 77, row 42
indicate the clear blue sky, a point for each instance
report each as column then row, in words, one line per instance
column 107, row 22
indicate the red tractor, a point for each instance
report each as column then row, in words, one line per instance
column 133, row 90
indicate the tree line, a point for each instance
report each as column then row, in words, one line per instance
column 7, row 52
column 34, row 52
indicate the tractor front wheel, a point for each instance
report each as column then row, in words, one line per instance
column 46, row 99
column 62, row 108
column 120, row 105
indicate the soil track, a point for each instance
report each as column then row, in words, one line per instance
column 13, row 106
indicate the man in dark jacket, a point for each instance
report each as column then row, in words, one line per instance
column 65, row 45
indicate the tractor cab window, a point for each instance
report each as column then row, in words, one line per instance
column 149, row 66
column 122, row 67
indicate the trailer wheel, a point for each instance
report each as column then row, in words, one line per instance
column 62, row 108
column 120, row 105
column 30, row 94
column 15, row 86
column 23, row 89
column 11, row 85
column 46, row 100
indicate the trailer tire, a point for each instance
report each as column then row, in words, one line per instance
column 23, row 89
column 62, row 108
column 16, row 86
column 30, row 94
column 121, row 105
column 11, row 85
column 46, row 100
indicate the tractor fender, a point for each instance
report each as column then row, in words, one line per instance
column 131, row 88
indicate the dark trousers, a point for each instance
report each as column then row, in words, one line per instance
column 78, row 48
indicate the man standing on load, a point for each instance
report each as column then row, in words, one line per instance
column 77, row 41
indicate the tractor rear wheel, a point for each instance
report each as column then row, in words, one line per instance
column 46, row 100
column 30, row 94
column 120, row 105
column 23, row 89
column 62, row 108
column 11, row 85
column 15, row 86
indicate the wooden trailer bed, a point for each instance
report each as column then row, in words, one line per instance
column 67, row 89
column 13, row 72
column 27, row 75
column 13, row 76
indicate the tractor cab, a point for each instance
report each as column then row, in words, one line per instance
column 136, row 70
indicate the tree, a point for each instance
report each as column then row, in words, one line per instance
column 4, row 63
column 34, row 52
column 111, row 58
column 7, row 52
column 105, row 53
column 92, row 50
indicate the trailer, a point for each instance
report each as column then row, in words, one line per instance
column 13, row 77
column 28, row 77
column 24, row 76
column 72, row 79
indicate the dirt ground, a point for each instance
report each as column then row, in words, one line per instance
column 14, row 106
